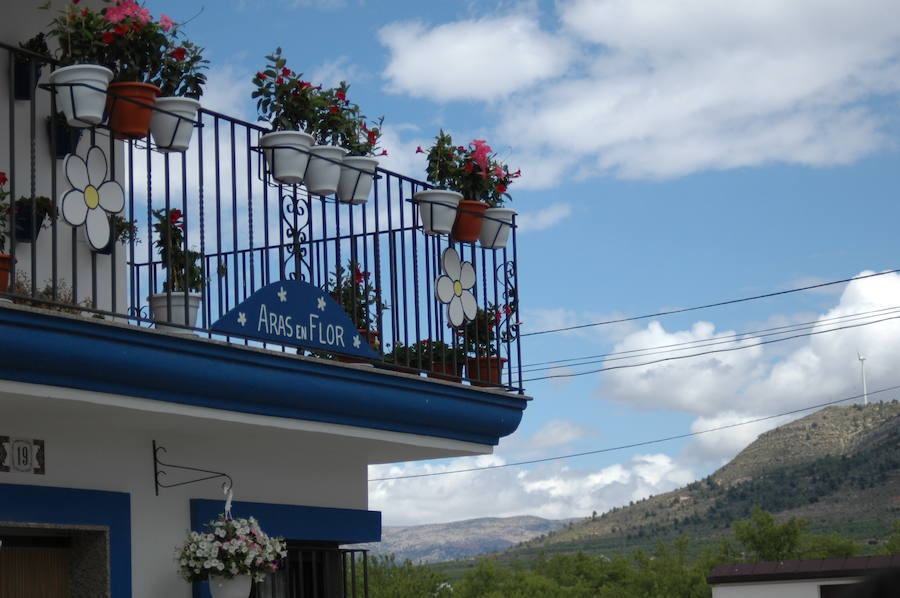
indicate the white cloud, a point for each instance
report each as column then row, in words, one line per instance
column 227, row 91
column 332, row 72
column 655, row 89
column 479, row 59
column 543, row 219
column 737, row 386
column 554, row 491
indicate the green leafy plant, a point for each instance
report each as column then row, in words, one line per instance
column 79, row 32
column 35, row 45
column 353, row 289
column 425, row 354
column 283, row 99
column 333, row 113
column 122, row 230
column 181, row 71
column 363, row 136
column 477, row 336
column 184, row 265
column 443, row 169
column 48, row 296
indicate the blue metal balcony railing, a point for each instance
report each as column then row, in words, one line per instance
column 249, row 231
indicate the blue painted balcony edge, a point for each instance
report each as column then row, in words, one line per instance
column 80, row 353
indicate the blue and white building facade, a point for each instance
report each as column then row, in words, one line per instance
column 90, row 383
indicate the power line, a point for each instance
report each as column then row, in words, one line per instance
column 708, row 342
column 635, row 444
column 708, row 305
column 710, row 352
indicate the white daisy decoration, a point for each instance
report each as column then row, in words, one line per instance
column 92, row 197
column 453, row 287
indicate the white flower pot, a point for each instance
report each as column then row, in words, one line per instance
column 437, row 210
column 289, row 154
column 323, row 176
column 356, row 180
column 236, row 587
column 83, row 106
column 495, row 230
column 159, row 308
column 173, row 133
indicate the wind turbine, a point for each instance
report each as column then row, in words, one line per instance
column 862, row 369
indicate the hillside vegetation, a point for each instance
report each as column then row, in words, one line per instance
column 838, row 468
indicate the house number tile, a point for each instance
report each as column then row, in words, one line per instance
column 21, row 455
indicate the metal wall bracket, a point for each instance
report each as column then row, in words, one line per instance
column 158, row 471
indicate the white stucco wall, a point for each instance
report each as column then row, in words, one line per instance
column 22, row 20
column 103, row 448
column 807, row 588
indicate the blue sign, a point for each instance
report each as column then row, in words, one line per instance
column 293, row 312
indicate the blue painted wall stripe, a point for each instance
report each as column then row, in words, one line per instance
column 71, row 506
column 62, row 352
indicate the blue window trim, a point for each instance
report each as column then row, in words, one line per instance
column 62, row 351
column 295, row 522
column 72, row 506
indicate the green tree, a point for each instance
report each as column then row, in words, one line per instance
column 892, row 545
column 387, row 579
column 828, row 546
column 764, row 539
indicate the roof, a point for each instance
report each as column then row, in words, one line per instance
column 802, row 569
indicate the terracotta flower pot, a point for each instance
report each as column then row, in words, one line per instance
column 485, row 371
column 469, row 219
column 5, row 268
column 446, row 371
column 129, row 119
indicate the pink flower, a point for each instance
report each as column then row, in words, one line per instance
column 480, row 155
column 383, row 153
column 166, row 22
column 114, row 14
column 419, row 150
column 498, row 170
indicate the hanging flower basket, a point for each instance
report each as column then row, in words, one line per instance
column 495, row 229
column 469, row 220
column 437, row 210
column 230, row 549
column 324, row 175
column 81, row 93
column 131, row 108
column 287, row 154
column 172, row 123
column 357, row 175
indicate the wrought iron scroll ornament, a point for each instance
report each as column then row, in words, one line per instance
column 295, row 214
column 453, row 288
column 158, row 472
column 93, row 197
column 509, row 314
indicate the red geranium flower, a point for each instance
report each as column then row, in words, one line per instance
column 3, row 179
column 261, row 76
column 373, row 137
column 469, row 167
column 285, row 72
column 279, row 81
column 179, row 53
column 501, row 188
column 108, row 37
column 333, row 109
column 75, row 1
column 121, row 29
column 175, row 215
column 341, row 96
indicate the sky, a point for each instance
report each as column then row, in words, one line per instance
column 674, row 153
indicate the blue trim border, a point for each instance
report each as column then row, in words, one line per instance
column 71, row 506
column 297, row 522
column 294, row 522
column 62, row 351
